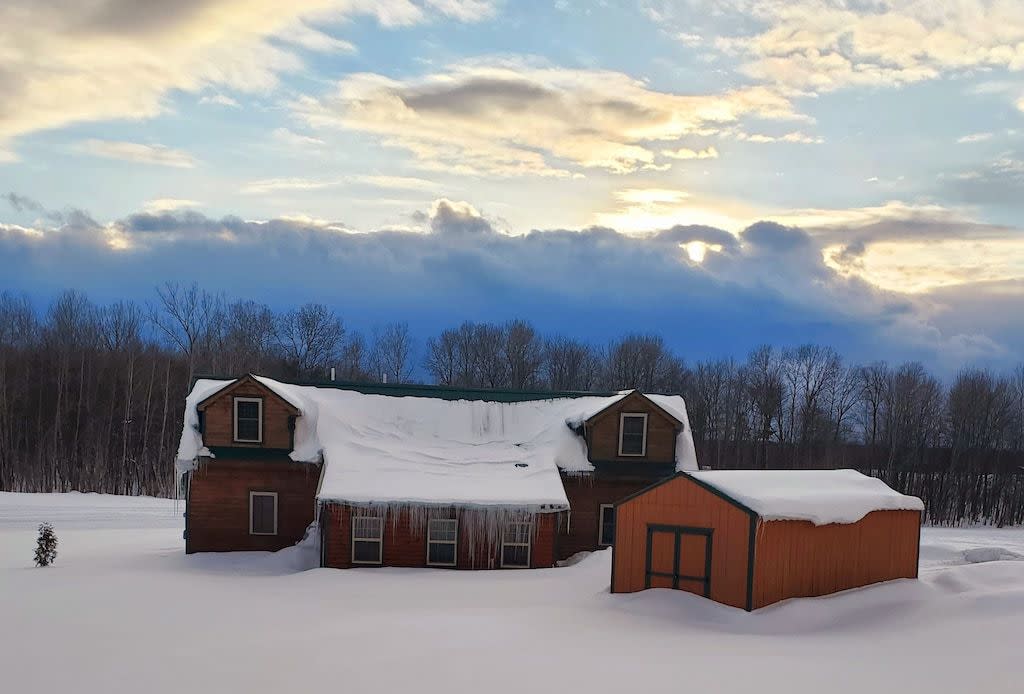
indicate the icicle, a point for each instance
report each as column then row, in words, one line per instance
column 480, row 528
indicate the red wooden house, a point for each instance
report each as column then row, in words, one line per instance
column 419, row 475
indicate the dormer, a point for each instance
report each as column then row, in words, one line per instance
column 247, row 414
column 632, row 434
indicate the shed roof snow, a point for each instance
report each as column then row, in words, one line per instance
column 381, row 449
column 818, row 496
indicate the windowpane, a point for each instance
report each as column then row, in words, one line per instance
column 517, row 533
column 367, row 528
column 515, row 544
column 366, row 551
column 442, row 534
column 247, row 420
column 248, row 429
column 633, row 430
column 248, row 409
column 515, row 555
column 441, row 553
column 263, row 512
column 367, row 539
column 607, row 525
column 442, row 530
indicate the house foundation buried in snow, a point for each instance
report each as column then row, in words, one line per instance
column 396, row 475
column 750, row 538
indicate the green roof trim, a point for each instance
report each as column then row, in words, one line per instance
column 418, row 390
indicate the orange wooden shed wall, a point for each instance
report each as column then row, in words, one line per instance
column 789, row 558
column 799, row 559
column 682, row 502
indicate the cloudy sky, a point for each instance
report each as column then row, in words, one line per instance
column 723, row 172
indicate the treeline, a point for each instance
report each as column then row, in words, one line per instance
column 91, row 396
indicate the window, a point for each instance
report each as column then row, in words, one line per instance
column 606, row 531
column 442, row 537
column 367, row 539
column 263, row 513
column 633, row 433
column 248, row 420
column 515, row 545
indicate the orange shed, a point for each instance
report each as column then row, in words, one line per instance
column 749, row 538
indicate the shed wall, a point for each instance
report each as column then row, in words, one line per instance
column 682, row 502
column 800, row 559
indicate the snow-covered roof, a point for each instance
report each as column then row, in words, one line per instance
column 385, row 449
column 818, row 496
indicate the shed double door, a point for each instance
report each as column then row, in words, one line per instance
column 679, row 557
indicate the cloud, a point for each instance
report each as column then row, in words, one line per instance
column 796, row 137
column 169, row 204
column 465, row 10
column 272, row 185
column 816, row 46
column 22, row 203
column 114, row 59
column 770, row 282
column 294, row 139
column 684, row 153
column 974, row 137
column 774, row 237
column 219, row 100
column 999, row 183
column 1020, row 103
column 137, row 152
column 509, row 117
column 458, row 219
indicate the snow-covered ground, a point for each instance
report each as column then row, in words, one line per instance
column 124, row 610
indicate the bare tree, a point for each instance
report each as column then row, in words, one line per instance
column 875, row 381
column 523, row 352
column 247, row 339
column 186, row 316
column 443, row 358
column 311, row 339
column 391, row 357
column 352, row 362
column 570, row 364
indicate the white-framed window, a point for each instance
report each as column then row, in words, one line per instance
column 263, row 513
column 442, row 541
column 515, row 545
column 606, row 525
column 633, row 433
column 249, row 420
column 367, row 539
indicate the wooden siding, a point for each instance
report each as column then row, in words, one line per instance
column 586, row 493
column 603, row 433
column 218, row 503
column 219, row 416
column 404, row 547
column 682, row 502
column 799, row 559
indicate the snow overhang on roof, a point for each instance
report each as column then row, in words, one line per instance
column 819, row 496
column 381, row 449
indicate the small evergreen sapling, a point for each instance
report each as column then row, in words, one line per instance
column 46, row 545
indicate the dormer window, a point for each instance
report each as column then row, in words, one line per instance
column 633, row 434
column 248, row 420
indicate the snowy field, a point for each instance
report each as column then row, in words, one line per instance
column 124, row 610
